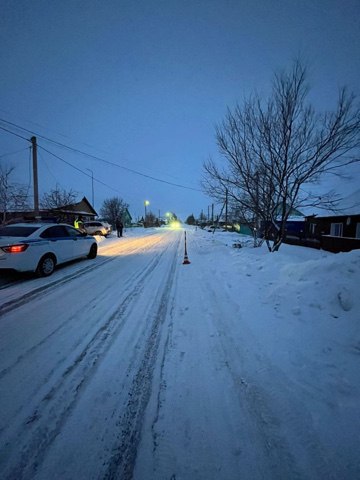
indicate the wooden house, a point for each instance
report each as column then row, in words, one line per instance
column 336, row 232
column 66, row 214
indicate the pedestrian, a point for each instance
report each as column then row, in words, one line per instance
column 119, row 227
column 78, row 223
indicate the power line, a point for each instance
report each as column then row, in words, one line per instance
column 45, row 163
column 75, row 150
column 78, row 169
column 13, row 153
column 61, row 159
column 13, row 133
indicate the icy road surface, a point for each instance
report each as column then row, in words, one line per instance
column 136, row 366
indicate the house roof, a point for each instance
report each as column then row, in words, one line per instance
column 128, row 214
column 83, row 207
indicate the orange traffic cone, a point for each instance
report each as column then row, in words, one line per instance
column 186, row 260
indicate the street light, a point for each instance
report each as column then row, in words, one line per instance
column 146, row 203
column 92, row 186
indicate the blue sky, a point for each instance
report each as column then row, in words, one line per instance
column 143, row 83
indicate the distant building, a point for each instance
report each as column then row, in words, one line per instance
column 336, row 231
column 126, row 218
column 64, row 214
column 68, row 213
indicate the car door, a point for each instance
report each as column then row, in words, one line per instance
column 60, row 242
column 80, row 242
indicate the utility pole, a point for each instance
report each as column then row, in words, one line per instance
column 35, row 176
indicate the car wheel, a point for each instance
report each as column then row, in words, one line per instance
column 98, row 233
column 93, row 251
column 46, row 266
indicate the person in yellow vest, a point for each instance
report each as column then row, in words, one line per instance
column 78, row 223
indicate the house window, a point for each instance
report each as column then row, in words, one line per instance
column 357, row 234
column 336, row 229
column 312, row 228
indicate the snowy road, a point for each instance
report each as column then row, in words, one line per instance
column 134, row 366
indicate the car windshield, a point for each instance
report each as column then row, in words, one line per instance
column 17, row 231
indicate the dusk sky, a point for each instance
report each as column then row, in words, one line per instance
column 142, row 84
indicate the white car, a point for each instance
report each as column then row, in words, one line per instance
column 96, row 228
column 39, row 247
column 108, row 227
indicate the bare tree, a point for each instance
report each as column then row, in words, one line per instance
column 151, row 220
column 190, row 220
column 202, row 218
column 271, row 151
column 113, row 208
column 13, row 196
column 58, row 197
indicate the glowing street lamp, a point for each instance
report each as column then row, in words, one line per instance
column 146, row 203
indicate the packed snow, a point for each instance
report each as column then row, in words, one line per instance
column 243, row 364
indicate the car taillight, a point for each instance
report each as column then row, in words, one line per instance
column 15, row 248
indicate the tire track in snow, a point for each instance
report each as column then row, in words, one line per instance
column 122, row 463
column 45, row 422
column 38, row 291
column 126, row 286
